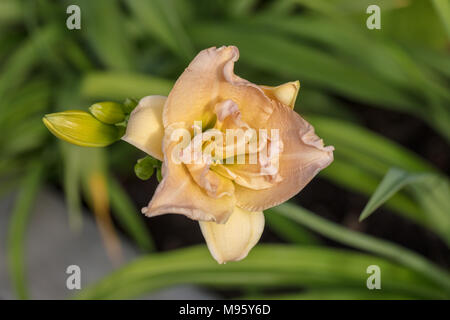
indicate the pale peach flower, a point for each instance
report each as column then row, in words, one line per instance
column 227, row 199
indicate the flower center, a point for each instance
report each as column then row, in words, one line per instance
column 229, row 151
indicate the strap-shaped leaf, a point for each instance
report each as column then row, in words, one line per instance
column 392, row 182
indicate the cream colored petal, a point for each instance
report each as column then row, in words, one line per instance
column 228, row 115
column 178, row 193
column 303, row 156
column 237, row 135
column 245, row 146
column 208, row 80
column 215, row 185
column 145, row 129
column 233, row 240
column 198, row 162
column 247, row 175
column 285, row 93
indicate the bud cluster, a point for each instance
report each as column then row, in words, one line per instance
column 103, row 125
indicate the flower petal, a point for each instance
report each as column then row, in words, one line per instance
column 145, row 129
column 303, row 156
column 285, row 93
column 215, row 185
column 247, row 174
column 209, row 79
column 233, row 240
column 179, row 193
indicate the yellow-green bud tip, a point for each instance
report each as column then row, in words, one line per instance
column 81, row 128
column 108, row 112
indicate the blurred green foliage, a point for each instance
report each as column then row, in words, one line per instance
column 134, row 48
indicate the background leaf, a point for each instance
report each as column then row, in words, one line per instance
column 266, row 266
column 365, row 242
column 128, row 216
column 18, row 227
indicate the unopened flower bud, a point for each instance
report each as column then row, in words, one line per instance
column 108, row 112
column 129, row 104
column 81, row 128
column 145, row 167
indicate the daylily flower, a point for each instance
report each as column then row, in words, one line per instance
column 227, row 199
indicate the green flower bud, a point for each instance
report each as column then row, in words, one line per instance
column 145, row 167
column 108, row 112
column 81, row 128
column 129, row 104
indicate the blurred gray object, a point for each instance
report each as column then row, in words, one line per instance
column 51, row 247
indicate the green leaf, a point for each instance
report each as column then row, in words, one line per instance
column 394, row 180
column 364, row 242
column 356, row 179
column 119, row 86
column 442, row 8
column 377, row 56
column 76, row 55
column 25, row 136
column 362, row 141
column 20, row 215
column 160, row 19
column 267, row 266
column 102, row 26
column 430, row 190
column 436, row 60
column 72, row 157
column 363, row 157
column 288, row 231
column 300, row 61
column 10, row 12
column 238, row 8
column 343, row 64
column 432, row 193
column 24, row 58
column 129, row 216
column 31, row 99
column 316, row 102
